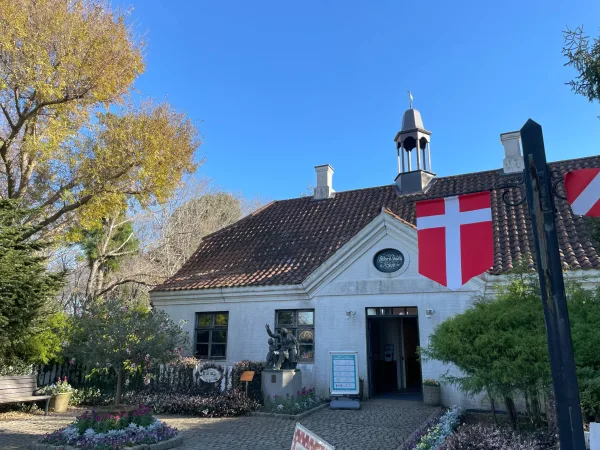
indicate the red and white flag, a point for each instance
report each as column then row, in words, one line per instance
column 304, row 439
column 455, row 238
column 583, row 191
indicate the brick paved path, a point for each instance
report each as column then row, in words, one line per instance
column 380, row 424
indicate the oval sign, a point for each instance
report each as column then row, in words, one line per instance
column 388, row 260
column 210, row 375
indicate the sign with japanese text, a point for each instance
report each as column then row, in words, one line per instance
column 305, row 439
column 343, row 372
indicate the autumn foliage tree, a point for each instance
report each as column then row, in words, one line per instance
column 71, row 146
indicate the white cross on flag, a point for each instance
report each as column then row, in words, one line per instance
column 583, row 191
column 455, row 238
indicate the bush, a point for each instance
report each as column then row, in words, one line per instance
column 91, row 396
column 488, row 437
column 589, row 393
column 14, row 367
column 229, row 404
column 254, row 387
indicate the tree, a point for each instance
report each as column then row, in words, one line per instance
column 70, row 147
column 113, row 335
column 499, row 346
column 584, row 57
column 105, row 247
column 26, row 288
column 189, row 223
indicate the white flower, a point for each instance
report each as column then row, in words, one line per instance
column 89, row 433
column 280, row 407
column 115, row 433
column 205, row 411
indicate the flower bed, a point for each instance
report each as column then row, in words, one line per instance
column 304, row 400
column 433, row 437
column 228, row 404
column 112, row 431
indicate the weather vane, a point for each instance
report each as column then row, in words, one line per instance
column 410, row 99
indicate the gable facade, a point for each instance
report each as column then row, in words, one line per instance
column 346, row 283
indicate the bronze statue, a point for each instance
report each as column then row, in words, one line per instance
column 283, row 351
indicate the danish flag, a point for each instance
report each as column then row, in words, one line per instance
column 583, row 191
column 455, row 238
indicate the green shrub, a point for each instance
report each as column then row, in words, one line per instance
column 500, row 346
column 91, row 396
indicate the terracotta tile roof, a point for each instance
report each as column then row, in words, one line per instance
column 284, row 242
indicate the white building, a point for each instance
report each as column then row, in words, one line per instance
column 308, row 264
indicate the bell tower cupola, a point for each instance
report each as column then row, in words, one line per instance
column 413, row 152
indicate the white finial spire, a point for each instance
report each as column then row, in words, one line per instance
column 410, row 99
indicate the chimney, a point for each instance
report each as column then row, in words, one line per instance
column 513, row 160
column 324, row 187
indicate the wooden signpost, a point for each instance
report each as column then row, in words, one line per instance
column 540, row 201
column 247, row 376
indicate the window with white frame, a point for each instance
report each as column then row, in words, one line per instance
column 211, row 335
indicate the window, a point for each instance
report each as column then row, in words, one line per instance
column 211, row 335
column 301, row 323
column 411, row 311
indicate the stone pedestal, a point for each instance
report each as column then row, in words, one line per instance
column 280, row 383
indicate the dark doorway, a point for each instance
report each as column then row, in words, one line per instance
column 392, row 341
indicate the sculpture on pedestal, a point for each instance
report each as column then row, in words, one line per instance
column 283, row 350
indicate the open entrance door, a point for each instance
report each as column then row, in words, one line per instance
column 392, row 341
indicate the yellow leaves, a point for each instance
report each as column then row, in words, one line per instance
column 103, row 204
column 63, row 60
column 67, row 50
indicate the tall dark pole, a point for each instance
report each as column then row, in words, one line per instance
column 540, row 199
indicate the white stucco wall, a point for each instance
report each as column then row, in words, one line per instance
column 347, row 282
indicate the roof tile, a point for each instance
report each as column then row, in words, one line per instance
column 285, row 241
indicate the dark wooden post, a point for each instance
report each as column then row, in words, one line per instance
column 540, row 199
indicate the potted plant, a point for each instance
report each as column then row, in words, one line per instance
column 431, row 392
column 61, row 394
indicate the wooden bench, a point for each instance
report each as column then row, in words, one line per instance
column 21, row 389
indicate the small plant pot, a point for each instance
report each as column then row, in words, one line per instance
column 431, row 395
column 60, row 402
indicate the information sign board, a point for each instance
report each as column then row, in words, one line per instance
column 343, row 373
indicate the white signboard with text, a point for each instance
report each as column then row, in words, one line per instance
column 343, row 373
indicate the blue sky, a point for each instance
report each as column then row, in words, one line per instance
column 278, row 87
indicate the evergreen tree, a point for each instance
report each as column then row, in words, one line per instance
column 26, row 286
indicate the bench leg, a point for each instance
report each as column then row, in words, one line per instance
column 46, row 409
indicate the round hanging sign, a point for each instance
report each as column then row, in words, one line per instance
column 210, row 375
column 388, row 260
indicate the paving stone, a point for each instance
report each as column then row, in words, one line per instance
column 379, row 424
